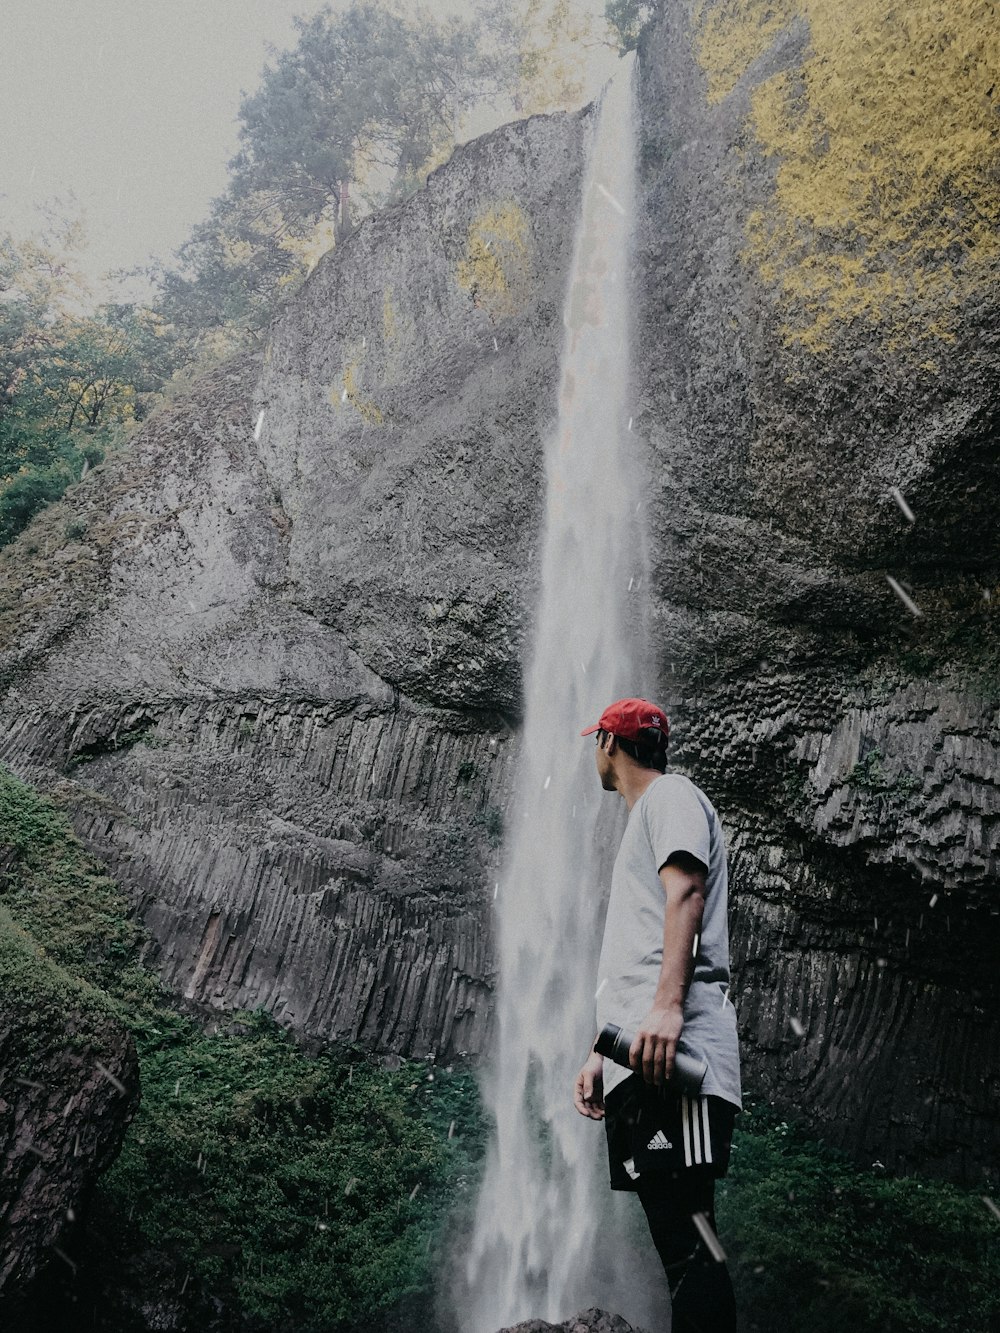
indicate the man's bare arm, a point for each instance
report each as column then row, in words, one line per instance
column 588, row 1094
column 655, row 1044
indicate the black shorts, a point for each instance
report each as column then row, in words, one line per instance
column 651, row 1130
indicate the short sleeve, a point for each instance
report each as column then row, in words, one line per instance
column 676, row 822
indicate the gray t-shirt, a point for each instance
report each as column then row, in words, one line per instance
column 672, row 815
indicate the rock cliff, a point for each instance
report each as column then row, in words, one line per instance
column 817, row 306
column 270, row 658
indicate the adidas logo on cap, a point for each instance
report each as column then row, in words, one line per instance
column 659, row 1140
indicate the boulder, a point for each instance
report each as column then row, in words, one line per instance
column 69, row 1086
column 588, row 1321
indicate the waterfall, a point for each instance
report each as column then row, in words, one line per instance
column 545, row 1237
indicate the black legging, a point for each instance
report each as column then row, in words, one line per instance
column 701, row 1291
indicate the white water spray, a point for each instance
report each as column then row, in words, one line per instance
column 545, row 1237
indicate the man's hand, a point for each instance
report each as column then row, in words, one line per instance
column 655, row 1045
column 588, row 1094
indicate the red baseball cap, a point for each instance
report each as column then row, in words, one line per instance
column 628, row 717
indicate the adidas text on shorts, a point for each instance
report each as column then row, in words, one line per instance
column 653, row 1130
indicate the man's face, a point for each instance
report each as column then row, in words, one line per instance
column 605, row 768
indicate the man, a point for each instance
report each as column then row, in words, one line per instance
column 664, row 976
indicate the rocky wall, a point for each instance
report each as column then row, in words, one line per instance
column 269, row 656
column 811, row 336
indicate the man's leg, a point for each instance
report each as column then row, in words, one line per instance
column 701, row 1291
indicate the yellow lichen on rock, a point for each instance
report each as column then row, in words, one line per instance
column 350, row 394
column 732, row 34
column 496, row 270
column 887, row 197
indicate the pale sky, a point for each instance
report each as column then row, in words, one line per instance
column 130, row 106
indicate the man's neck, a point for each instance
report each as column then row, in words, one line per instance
column 634, row 781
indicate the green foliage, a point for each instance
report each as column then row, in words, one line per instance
column 626, row 19
column 869, row 775
column 59, row 895
column 364, row 86
column 817, row 1245
column 70, row 384
column 366, row 102
column 38, row 995
column 66, row 947
column 31, row 490
column 306, row 1192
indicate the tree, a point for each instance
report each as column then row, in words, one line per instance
column 40, row 286
column 70, row 381
column 627, row 18
column 560, row 52
column 229, row 272
column 367, row 96
column 555, row 37
column 368, row 100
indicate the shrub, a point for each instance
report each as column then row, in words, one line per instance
column 818, row 1244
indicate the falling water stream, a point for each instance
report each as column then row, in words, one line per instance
column 546, row 1230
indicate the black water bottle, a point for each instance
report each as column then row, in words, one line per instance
column 688, row 1072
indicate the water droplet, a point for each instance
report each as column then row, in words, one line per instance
column 904, row 508
column 904, row 597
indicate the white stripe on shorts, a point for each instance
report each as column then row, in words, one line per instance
column 686, row 1122
column 695, row 1130
column 706, row 1127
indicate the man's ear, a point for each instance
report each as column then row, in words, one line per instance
column 610, row 743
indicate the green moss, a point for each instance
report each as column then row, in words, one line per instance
column 818, row 1245
column 46, row 1009
column 305, row 1191
column 350, row 393
column 62, row 899
column 870, row 775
